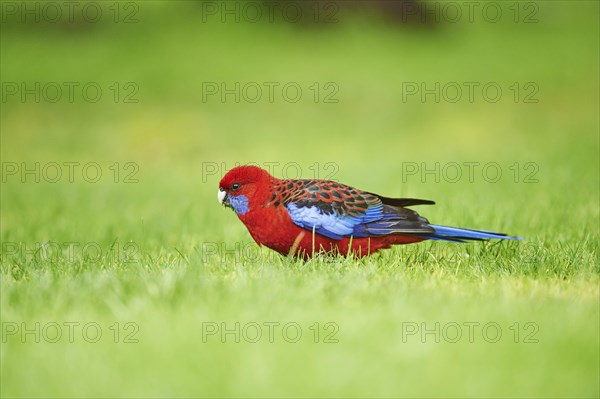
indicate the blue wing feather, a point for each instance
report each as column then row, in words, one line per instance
column 333, row 225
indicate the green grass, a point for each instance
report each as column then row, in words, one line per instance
column 173, row 264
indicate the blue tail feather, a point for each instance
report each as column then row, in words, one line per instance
column 456, row 234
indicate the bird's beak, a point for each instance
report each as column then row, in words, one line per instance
column 222, row 196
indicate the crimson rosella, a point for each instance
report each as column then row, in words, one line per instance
column 303, row 217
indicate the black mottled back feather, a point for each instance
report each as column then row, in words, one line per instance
column 401, row 202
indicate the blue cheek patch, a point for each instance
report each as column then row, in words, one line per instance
column 239, row 203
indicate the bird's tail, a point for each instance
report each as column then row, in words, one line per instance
column 457, row 234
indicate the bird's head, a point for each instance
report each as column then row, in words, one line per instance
column 244, row 186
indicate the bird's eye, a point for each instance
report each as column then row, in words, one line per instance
column 235, row 186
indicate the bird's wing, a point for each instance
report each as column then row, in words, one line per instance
column 335, row 210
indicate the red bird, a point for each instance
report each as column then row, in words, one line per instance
column 304, row 217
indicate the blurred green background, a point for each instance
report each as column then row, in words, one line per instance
column 173, row 263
